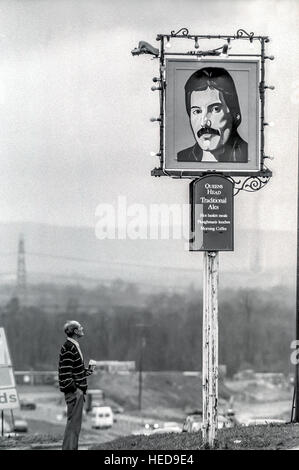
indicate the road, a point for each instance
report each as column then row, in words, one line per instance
column 49, row 417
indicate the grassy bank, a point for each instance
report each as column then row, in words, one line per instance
column 270, row 437
column 25, row 442
column 252, row 437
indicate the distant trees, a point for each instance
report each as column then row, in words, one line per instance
column 256, row 328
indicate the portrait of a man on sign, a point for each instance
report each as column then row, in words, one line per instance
column 212, row 115
column 213, row 108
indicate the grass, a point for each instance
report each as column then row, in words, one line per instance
column 25, row 441
column 266, row 437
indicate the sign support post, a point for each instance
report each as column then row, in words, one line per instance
column 12, row 418
column 212, row 230
column 210, row 347
column 295, row 418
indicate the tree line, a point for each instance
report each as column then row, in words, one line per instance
column 256, row 328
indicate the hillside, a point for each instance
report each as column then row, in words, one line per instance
column 74, row 255
column 166, row 394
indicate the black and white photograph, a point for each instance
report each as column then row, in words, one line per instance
column 149, row 228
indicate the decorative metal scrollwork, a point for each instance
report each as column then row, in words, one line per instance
column 242, row 33
column 183, row 31
column 250, row 184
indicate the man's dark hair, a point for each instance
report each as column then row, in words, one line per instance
column 218, row 79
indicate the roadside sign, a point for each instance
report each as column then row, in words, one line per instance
column 8, row 392
column 212, row 215
column 4, row 353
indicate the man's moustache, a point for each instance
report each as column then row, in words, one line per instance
column 207, row 130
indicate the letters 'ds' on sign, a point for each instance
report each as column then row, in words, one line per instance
column 8, row 393
column 212, row 214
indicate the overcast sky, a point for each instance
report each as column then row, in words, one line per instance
column 75, row 105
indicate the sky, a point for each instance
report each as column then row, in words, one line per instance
column 75, row 105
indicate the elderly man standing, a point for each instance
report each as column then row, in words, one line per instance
column 72, row 382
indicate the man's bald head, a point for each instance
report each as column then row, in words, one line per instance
column 70, row 327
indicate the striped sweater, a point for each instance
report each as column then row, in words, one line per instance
column 71, row 370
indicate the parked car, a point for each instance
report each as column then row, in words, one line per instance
column 224, row 422
column 167, row 427
column 263, row 421
column 192, row 423
column 146, row 430
column 151, row 426
column 20, row 425
column 26, row 404
column 117, row 409
column 12, row 430
column 102, row 417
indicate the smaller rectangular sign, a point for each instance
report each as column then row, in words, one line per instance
column 212, row 215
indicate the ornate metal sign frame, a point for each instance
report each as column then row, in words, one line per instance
column 251, row 183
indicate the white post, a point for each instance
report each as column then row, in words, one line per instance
column 210, row 348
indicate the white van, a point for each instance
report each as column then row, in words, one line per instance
column 101, row 417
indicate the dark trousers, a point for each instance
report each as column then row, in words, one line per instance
column 74, row 403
